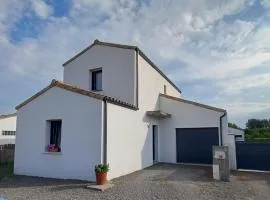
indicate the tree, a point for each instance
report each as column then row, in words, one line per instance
column 233, row 125
column 258, row 123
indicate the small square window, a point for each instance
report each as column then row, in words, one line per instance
column 54, row 135
column 8, row 133
column 97, row 80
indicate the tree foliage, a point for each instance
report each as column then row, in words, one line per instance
column 258, row 130
column 233, row 125
column 258, row 123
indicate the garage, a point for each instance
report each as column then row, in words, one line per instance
column 194, row 145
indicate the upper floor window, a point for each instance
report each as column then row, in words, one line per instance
column 97, row 80
column 8, row 132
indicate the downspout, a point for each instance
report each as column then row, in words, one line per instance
column 220, row 128
column 105, row 132
column 136, row 78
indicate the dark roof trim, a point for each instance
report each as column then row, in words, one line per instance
column 194, row 103
column 71, row 88
column 8, row 115
column 158, row 70
column 78, row 54
column 97, row 42
column 124, row 47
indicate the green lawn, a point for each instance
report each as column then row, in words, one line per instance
column 6, row 170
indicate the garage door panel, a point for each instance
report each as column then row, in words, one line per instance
column 194, row 145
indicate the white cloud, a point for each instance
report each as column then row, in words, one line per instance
column 246, row 109
column 237, row 85
column 10, row 11
column 265, row 3
column 225, row 50
column 191, row 32
column 42, row 9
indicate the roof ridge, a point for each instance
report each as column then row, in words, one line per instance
column 193, row 103
column 120, row 45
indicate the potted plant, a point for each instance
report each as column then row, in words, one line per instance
column 53, row 148
column 101, row 173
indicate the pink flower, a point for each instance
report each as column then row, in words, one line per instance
column 52, row 147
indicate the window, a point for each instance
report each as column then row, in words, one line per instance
column 97, row 80
column 54, row 133
column 238, row 136
column 165, row 89
column 8, row 132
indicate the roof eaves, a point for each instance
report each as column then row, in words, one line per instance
column 74, row 89
column 194, row 103
column 77, row 90
column 8, row 115
column 35, row 95
column 240, row 129
column 95, row 95
column 120, row 103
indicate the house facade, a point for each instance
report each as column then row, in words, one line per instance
column 8, row 128
column 114, row 106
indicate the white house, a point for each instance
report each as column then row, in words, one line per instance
column 114, row 106
column 7, row 128
column 238, row 133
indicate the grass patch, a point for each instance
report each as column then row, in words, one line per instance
column 6, row 170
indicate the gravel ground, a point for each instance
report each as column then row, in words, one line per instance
column 162, row 181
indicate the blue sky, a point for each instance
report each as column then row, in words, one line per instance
column 216, row 51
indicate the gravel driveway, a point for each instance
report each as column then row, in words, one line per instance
column 162, row 181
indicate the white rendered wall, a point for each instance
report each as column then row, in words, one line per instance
column 235, row 131
column 118, row 71
column 129, row 132
column 80, row 142
column 151, row 84
column 7, row 124
column 183, row 115
column 229, row 141
column 129, row 142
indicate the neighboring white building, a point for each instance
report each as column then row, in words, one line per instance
column 114, row 106
column 238, row 133
column 7, row 128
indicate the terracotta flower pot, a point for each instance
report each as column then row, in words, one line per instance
column 101, row 178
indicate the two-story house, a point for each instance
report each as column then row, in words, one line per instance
column 114, row 106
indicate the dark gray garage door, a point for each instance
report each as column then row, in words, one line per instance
column 194, row 145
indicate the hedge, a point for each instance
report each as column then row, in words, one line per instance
column 258, row 134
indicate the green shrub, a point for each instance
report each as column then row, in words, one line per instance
column 6, row 169
column 102, row 168
column 258, row 134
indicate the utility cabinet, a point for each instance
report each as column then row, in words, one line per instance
column 221, row 169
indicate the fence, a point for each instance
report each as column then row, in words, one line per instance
column 7, row 153
column 253, row 155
